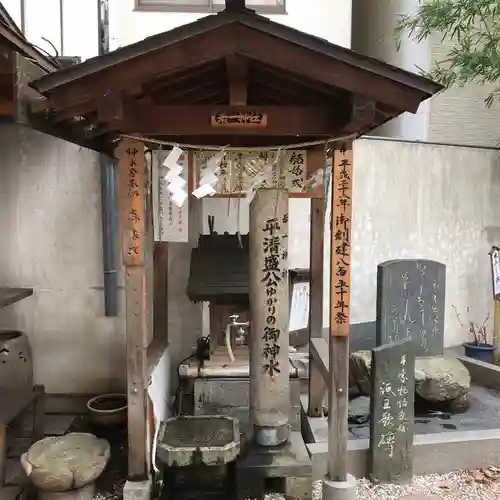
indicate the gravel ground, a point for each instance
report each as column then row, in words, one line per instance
column 463, row 485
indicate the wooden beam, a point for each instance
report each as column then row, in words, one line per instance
column 318, row 350
column 279, row 53
column 132, row 178
column 197, row 120
column 83, row 85
column 237, row 76
column 6, row 108
column 316, row 259
column 340, row 288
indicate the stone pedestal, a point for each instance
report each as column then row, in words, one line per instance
column 269, row 317
column 65, row 467
column 85, row 493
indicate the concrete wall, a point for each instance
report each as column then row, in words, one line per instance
column 411, row 200
column 426, row 201
column 50, row 224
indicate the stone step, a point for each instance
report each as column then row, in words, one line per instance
column 10, row 493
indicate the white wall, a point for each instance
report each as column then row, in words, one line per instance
column 75, row 36
column 322, row 18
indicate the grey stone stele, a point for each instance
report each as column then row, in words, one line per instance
column 190, row 440
column 411, row 304
column 269, row 392
column 64, row 463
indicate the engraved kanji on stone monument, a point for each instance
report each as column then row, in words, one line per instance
column 410, row 304
column 392, row 412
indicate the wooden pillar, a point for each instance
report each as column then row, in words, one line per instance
column 269, row 316
column 340, row 288
column 316, row 384
column 132, row 180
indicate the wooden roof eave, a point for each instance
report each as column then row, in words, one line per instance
column 412, row 88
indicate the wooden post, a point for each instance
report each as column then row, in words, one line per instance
column 340, row 287
column 132, row 180
column 316, row 384
column 496, row 322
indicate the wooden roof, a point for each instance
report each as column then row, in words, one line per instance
column 167, row 85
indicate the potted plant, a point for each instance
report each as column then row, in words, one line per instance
column 478, row 347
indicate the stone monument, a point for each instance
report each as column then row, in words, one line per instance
column 392, row 413
column 410, row 304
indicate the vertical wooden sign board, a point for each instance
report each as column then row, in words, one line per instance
column 132, row 178
column 340, row 287
column 132, row 182
column 341, row 243
column 392, row 412
column 495, row 277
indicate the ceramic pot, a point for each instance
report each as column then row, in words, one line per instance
column 481, row 352
column 16, row 361
column 108, row 409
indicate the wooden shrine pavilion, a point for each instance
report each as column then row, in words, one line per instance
column 238, row 79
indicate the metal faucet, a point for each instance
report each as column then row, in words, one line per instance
column 240, row 332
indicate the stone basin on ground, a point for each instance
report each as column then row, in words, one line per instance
column 196, row 440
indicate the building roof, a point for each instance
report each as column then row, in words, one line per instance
column 199, row 64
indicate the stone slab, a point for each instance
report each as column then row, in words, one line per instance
column 290, row 460
column 85, row 493
column 392, row 413
column 411, row 304
column 288, row 464
column 232, row 392
column 10, row 493
column 432, row 454
column 481, row 373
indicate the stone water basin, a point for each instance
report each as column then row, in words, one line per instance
column 198, row 440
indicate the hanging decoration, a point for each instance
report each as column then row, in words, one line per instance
column 225, row 170
column 170, row 196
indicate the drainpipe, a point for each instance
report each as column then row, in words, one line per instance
column 108, row 193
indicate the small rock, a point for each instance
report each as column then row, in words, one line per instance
column 359, row 410
column 441, row 379
column 437, row 378
column 61, row 463
column 360, row 364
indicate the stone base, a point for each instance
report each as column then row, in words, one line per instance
column 85, row 493
column 286, row 468
column 340, row 490
column 137, row 490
